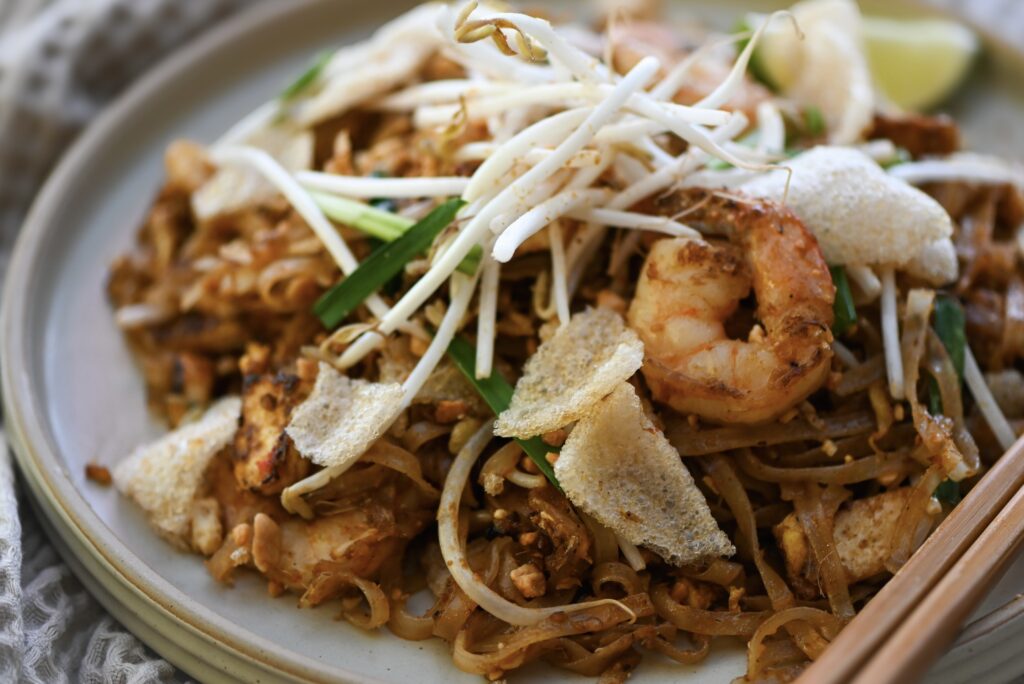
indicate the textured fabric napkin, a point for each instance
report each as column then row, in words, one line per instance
column 60, row 62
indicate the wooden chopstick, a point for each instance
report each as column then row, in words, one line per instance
column 923, row 636
column 860, row 640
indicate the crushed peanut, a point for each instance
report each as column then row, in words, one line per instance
column 529, row 580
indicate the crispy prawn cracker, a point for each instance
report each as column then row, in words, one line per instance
column 342, row 417
column 570, row 373
column 164, row 477
column 619, row 468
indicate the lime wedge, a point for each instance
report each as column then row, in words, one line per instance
column 918, row 63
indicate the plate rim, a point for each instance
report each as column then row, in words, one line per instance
column 67, row 511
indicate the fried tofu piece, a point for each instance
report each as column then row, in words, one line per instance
column 862, row 531
column 266, row 459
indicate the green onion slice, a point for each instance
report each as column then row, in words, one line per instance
column 843, row 308
column 306, row 78
column 496, row 391
column 950, row 327
column 814, row 121
column 382, row 265
column 373, row 221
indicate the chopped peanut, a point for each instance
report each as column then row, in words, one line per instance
column 449, row 411
column 529, row 580
column 266, row 542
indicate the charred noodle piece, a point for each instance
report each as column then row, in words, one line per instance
column 166, row 476
column 687, row 290
column 568, row 374
column 619, row 468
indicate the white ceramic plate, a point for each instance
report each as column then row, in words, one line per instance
column 72, row 394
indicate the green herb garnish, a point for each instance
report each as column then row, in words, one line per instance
column 844, row 310
column 306, row 78
column 382, row 265
column 754, row 66
column 379, row 223
column 496, row 391
column 814, row 121
column 375, row 222
column 902, row 156
column 950, row 327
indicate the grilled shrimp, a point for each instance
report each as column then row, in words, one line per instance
column 688, row 289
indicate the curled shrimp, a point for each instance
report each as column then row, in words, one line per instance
column 689, row 288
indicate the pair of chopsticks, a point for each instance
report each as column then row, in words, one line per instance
column 910, row 623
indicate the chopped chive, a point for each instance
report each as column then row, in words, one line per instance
column 950, row 327
column 814, row 121
column 948, row 492
column 306, row 78
column 902, row 157
column 472, row 261
column 378, row 223
column 843, row 308
column 496, row 391
column 382, row 265
column 754, row 67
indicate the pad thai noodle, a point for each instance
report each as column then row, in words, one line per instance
column 579, row 330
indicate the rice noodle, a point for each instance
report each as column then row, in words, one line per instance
column 811, row 617
column 615, row 573
column 518, row 647
column 454, row 556
column 730, row 488
column 711, row 622
column 303, row 204
column 937, row 432
column 915, row 520
column 857, row 470
column 703, row 442
column 817, row 523
column 406, row 626
column 861, row 376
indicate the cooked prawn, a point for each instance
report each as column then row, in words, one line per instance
column 688, row 289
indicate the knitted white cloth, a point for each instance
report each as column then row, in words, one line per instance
column 60, row 62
